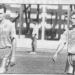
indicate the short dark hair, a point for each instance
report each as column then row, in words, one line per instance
column 34, row 21
column 3, row 6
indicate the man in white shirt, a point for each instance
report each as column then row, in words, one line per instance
column 35, row 29
column 68, row 37
column 7, row 40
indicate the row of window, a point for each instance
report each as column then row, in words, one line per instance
column 64, row 7
column 55, row 20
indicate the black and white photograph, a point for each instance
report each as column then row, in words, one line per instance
column 37, row 37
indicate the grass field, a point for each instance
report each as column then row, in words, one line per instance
column 40, row 63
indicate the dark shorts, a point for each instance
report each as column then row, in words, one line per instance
column 70, row 64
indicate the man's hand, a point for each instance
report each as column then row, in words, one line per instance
column 12, row 61
column 54, row 57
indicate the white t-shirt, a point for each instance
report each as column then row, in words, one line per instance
column 35, row 30
column 69, row 38
column 7, row 32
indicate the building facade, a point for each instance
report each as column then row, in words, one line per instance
column 51, row 19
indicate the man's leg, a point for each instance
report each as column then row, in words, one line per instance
column 69, row 67
column 33, row 48
column 5, row 55
column 3, row 65
column 12, row 61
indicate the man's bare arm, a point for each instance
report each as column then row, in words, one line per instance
column 13, row 47
column 13, row 52
column 59, row 49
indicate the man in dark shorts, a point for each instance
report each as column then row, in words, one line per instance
column 68, row 38
column 34, row 43
column 7, row 40
column 34, row 37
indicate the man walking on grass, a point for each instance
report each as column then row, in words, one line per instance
column 70, row 40
column 7, row 41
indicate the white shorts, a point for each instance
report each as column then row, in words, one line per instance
column 6, row 52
